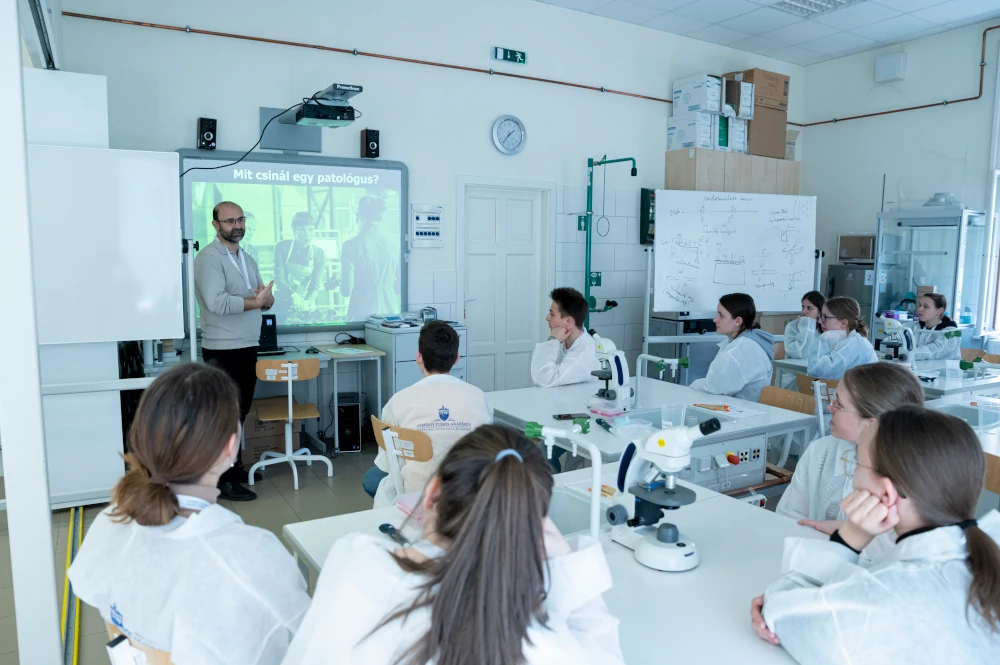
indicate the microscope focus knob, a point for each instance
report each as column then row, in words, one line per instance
column 617, row 515
column 667, row 533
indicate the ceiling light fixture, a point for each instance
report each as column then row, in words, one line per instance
column 809, row 8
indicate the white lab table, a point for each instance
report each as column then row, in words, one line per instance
column 698, row 616
column 940, row 387
column 516, row 407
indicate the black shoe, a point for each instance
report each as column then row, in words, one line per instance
column 240, row 475
column 235, row 492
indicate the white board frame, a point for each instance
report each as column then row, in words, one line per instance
column 749, row 235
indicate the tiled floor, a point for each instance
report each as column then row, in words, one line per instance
column 277, row 504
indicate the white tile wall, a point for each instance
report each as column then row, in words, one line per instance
column 635, row 283
column 627, row 202
column 602, row 257
column 615, row 253
column 610, row 230
column 420, row 286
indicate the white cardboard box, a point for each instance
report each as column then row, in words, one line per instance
column 701, row 130
column 695, row 94
column 738, row 135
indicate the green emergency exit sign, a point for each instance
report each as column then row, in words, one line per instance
column 510, row 55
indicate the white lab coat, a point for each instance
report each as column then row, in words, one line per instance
column 837, row 353
column 552, row 364
column 909, row 606
column 208, row 589
column 801, row 336
column 740, row 369
column 446, row 409
column 347, row 607
column 931, row 344
column 819, row 483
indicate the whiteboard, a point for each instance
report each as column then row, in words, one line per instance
column 709, row 244
column 105, row 244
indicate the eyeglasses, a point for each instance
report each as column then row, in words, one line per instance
column 850, row 464
column 233, row 220
column 837, row 405
column 826, row 318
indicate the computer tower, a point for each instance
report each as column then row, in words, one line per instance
column 349, row 422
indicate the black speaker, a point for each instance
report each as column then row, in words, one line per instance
column 207, row 134
column 369, row 143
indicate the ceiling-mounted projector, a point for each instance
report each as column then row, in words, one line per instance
column 328, row 108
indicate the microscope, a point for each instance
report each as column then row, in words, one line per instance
column 895, row 336
column 647, row 481
column 615, row 398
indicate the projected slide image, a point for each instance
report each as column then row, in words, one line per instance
column 331, row 244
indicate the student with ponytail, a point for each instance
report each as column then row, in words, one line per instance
column 932, row 598
column 490, row 582
column 169, row 567
column 844, row 343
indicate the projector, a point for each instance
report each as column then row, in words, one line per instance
column 328, row 108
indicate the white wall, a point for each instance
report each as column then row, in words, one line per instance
column 436, row 121
column 941, row 149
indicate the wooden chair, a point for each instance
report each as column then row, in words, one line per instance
column 152, row 656
column 779, row 350
column 992, row 480
column 791, row 401
column 822, row 390
column 971, row 354
column 288, row 371
column 399, row 442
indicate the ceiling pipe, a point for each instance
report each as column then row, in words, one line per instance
column 491, row 72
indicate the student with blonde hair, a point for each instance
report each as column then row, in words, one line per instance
column 844, row 343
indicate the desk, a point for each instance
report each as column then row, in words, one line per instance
column 933, row 390
column 699, row 616
column 351, row 353
column 516, row 407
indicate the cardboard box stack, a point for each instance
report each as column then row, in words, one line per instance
column 703, row 119
column 263, row 436
column 766, row 131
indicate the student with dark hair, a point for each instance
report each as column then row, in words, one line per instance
column 169, row 567
column 938, row 338
column 844, row 343
column 743, row 365
column 932, row 598
column 570, row 355
column 490, row 582
column 443, row 406
column 802, row 334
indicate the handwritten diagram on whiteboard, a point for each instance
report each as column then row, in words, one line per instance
column 709, row 244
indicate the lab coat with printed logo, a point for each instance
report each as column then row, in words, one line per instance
column 552, row 364
column 909, row 605
column 838, row 352
column 208, row 589
column 440, row 405
column 580, row 629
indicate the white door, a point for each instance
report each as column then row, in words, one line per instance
column 503, row 286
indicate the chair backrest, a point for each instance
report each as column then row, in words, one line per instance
column 779, row 350
column 804, row 383
column 971, row 354
column 272, row 370
column 153, row 657
column 992, row 480
column 421, row 448
column 788, row 399
column 990, row 357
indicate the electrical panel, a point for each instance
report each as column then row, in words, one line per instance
column 426, row 225
column 706, row 470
